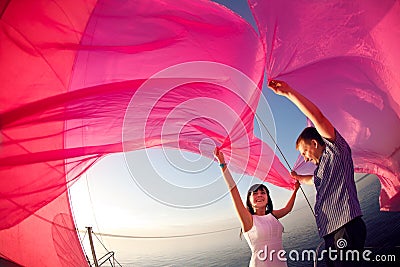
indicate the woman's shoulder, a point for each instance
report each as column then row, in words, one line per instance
column 264, row 217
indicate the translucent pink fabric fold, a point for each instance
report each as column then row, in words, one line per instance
column 344, row 56
column 83, row 79
column 72, row 77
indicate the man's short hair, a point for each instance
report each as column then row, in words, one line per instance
column 309, row 134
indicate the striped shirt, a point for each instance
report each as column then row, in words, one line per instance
column 336, row 201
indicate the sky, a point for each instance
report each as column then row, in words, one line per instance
column 114, row 196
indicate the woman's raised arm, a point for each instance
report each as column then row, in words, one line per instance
column 244, row 215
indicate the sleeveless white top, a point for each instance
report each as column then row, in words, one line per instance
column 265, row 242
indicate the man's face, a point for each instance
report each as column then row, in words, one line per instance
column 310, row 151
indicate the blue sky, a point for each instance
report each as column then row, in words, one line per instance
column 109, row 198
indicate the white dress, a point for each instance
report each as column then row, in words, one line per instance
column 265, row 242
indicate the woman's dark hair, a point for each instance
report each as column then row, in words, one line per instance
column 254, row 188
column 269, row 207
column 309, row 134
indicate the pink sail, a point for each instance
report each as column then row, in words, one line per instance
column 83, row 79
column 343, row 55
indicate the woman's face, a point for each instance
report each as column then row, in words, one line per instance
column 259, row 198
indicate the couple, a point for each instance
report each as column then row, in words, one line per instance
column 337, row 209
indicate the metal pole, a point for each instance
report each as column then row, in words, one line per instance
column 92, row 247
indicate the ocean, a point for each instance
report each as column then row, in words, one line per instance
column 227, row 249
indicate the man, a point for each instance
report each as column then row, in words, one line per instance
column 337, row 209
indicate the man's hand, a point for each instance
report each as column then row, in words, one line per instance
column 279, row 87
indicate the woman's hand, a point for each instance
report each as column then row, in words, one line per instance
column 294, row 175
column 305, row 179
column 219, row 155
column 297, row 177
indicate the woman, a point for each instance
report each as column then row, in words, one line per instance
column 259, row 221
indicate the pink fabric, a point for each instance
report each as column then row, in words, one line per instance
column 83, row 79
column 344, row 56
column 34, row 205
column 72, row 76
column 46, row 238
